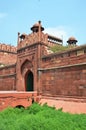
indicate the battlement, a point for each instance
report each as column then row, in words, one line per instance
column 25, row 40
column 67, row 58
column 37, row 35
column 7, row 48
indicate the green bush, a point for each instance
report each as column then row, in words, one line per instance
column 37, row 117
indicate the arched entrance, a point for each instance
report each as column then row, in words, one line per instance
column 29, row 81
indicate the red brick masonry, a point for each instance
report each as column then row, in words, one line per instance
column 14, row 99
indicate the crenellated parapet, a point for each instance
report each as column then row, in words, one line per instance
column 25, row 40
column 37, row 35
column 7, row 48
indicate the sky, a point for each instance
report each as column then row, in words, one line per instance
column 62, row 18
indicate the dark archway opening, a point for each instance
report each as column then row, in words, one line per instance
column 29, row 81
column 19, row 106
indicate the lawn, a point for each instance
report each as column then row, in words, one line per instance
column 39, row 117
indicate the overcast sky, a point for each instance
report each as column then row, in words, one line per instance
column 62, row 18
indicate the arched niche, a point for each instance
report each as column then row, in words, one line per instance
column 27, row 75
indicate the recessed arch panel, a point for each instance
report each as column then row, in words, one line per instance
column 25, row 66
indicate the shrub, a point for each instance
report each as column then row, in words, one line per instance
column 37, row 117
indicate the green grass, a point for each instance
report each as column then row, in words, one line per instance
column 59, row 48
column 39, row 117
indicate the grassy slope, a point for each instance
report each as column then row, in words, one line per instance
column 39, row 117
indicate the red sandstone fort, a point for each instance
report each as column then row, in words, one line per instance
column 32, row 72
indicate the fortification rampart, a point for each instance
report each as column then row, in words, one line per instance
column 70, row 57
column 8, row 48
column 8, row 54
column 8, row 78
column 64, row 73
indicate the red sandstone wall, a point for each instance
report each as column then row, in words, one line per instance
column 8, row 58
column 8, row 54
column 69, row 81
column 7, row 78
column 13, row 99
column 64, row 73
column 75, row 56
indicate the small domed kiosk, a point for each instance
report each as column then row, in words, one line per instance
column 35, row 27
column 72, row 41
